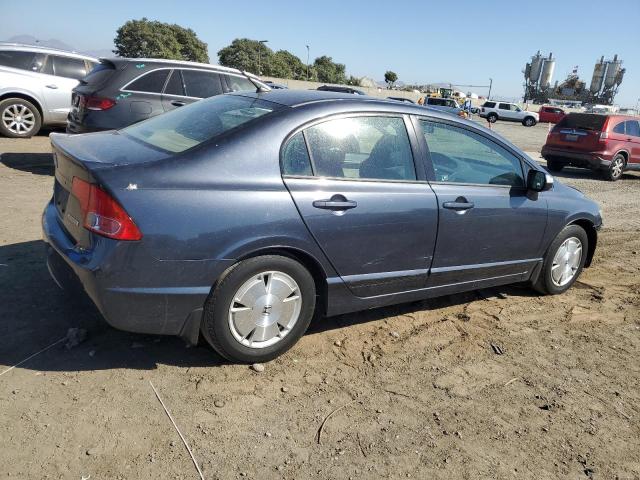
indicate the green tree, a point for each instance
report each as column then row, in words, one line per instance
column 391, row 78
column 328, row 71
column 247, row 54
column 284, row 64
column 353, row 81
column 153, row 39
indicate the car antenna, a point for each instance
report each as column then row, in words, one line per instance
column 260, row 87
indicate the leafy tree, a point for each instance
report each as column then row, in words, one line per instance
column 353, row 81
column 245, row 54
column 390, row 77
column 328, row 71
column 153, row 39
column 284, row 64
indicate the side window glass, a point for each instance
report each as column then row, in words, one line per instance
column 295, row 157
column 633, row 128
column 503, row 106
column 619, row 128
column 362, row 148
column 200, row 84
column 239, row 84
column 15, row 59
column 69, row 67
column 461, row 156
column 149, row 83
column 48, row 66
column 174, row 85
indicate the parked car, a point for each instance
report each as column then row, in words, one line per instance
column 448, row 105
column 494, row 111
column 549, row 114
column 121, row 91
column 401, row 99
column 335, row 88
column 241, row 215
column 35, row 87
column 608, row 143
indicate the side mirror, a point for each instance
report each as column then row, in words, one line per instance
column 538, row 181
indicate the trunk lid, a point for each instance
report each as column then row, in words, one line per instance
column 578, row 132
column 85, row 156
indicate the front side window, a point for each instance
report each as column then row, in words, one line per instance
column 191, row 125
column 201, row 84
column 295, row 157
column 362, row 148
column 462, row 156
column 68, row 67
column 150, row 83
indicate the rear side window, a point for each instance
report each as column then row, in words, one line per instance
column 68, row 67
column 175, row 85
column 23, row 60
column 99, row 73
column 583, row 121
column 619, row 128
column 150, row 83
column 633, row 128
column 461, row 156
column 489, row 104
column 504, row 106
column 201, row 84
column 362, row 148
column 191, row 125
column 295, row 157
column 240, row 84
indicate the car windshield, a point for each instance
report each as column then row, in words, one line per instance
column 186, row 127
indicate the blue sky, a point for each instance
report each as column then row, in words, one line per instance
column 470, row 43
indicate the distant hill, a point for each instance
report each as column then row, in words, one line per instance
column 55, row 43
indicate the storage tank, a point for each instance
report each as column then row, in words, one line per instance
column 612, row 72
column 598, row 76
column 536, row 67
column 547, row 71
column 527, row 71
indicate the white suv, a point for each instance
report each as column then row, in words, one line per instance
column 35, row 87
column 494, row 111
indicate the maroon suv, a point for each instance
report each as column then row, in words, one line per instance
column 610, row 143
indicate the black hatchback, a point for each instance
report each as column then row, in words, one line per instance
column 121, row 91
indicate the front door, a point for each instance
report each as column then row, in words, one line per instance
column 489, row 228
column 373, row 214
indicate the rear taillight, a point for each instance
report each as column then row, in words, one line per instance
column 102, row 214
column 604, row 135
column 99, row 103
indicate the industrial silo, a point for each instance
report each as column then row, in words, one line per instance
column 547, row 71
column 536, row 67
column 598, row 76
column 612, row 72
column 527, row 71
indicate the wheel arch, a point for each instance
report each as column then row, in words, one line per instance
column 592, row 236
column 624, row 153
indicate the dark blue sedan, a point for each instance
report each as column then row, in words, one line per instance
column 240, row 216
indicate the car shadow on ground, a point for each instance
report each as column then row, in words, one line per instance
column 36, row 163
column 35, row 312
column 585, row 173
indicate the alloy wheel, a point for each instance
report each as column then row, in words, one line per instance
column 566, row 261
column 617, row 167
column 18, row 119
column 264, row 309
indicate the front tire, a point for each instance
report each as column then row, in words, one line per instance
column 19, row 118
column 529, row 122
column 563, row 261
column 260, row 309
column 615, row 170
column 554, row 165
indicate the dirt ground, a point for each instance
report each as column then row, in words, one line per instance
column 413, row 391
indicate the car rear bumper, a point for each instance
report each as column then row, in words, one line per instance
column 76, row 127
column 593, row 160
column 113, row 279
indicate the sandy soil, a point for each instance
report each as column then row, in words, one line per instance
column 416, row 390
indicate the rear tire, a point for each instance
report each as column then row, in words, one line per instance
column 19, row 118
column 492, row 118
column 561, row 267
column 554, row 165
column 529, row 122
column 259, row 309
column 615, row 170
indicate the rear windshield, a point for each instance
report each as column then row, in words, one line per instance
column 99, row 74
column 186, row 127
column 583, row 121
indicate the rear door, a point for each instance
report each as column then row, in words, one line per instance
column 63, row 74
column 354, row 182
column 504, row 111
column 488, row 226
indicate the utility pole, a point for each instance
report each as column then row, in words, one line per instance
column 259, row 55
column 307, row 63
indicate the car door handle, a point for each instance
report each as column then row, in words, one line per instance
column 337, row 202
column 52, row 86
column 458, row 206
column 176, row 103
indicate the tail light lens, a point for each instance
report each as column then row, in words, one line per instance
column 101, row 213
column 99, row 103
column 604, row 135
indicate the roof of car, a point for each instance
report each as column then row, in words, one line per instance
column 164, row 61
column 42, row 49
